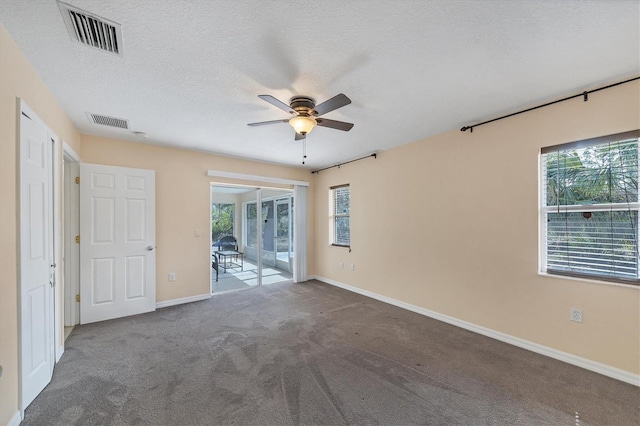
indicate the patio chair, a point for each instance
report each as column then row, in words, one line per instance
column 227, row 243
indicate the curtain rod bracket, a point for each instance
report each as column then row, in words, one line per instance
column 586, row 95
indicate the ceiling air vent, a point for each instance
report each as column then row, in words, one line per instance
column 105, row 120
column 91, row 30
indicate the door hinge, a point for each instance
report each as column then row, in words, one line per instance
column 78, row 239
column 77, row 297
column 77, row 179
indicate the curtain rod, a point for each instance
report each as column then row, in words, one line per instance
column 374, row 155
column 584, row 94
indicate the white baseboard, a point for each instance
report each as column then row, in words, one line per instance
column 606, row 370
column 59, row 352
column 182, row 300
column 15, row 420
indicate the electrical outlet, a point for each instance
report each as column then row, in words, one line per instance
column 353, row 267
column 172, row 276
column 341, row 265
column 576, row 315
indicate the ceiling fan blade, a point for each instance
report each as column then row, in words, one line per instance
column 262, row 123
column 336, row 102
column 275, row 102
column 299, row 137
column 334, row 124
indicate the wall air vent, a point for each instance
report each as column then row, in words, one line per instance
column 105, row 120
column 91, row 30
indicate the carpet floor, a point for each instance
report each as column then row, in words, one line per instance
column 289, row 354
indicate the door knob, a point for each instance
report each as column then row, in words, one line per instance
column 149, row 248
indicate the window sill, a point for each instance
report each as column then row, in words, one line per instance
column 587, row 280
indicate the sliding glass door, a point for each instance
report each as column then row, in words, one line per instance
column 277, row 233
column 275, row 245
column 268, row 233
column 231, row 268
column 252, row 232
column 284, row 234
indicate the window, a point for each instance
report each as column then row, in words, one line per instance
column 590, row 207
column 339, row 215
column 222, row 220
column 251, row 224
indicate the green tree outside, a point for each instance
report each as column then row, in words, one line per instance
column 221, row 220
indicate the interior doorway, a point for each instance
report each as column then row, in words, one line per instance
column 250, row 246
column 70, row 247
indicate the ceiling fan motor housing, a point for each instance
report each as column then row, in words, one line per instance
column 302, row 104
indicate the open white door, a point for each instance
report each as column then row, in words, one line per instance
column 36, row 257
column 117, row 242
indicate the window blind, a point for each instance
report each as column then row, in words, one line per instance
column 590, row 209
column 341, row 202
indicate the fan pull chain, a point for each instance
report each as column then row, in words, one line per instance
column 304, row 150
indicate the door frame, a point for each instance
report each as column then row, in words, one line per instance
column 71, row 256
column 58, row 311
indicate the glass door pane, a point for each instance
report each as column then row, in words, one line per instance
column 283, row 234
column 250, row 240
column 276, row 236
column 268, row 233
column 233, row 238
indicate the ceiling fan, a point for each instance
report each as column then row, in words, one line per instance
column 306, row 114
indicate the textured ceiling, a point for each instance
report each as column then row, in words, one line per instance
column 192, row 70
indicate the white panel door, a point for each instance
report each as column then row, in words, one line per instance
column 36, row 257
column 117, row 242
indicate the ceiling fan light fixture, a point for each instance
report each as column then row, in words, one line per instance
column 303, row 124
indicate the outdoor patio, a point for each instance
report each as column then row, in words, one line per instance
column 236, row 279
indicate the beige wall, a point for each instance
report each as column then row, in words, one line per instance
column 182, row 205
column 450, row 224
column 18, row 80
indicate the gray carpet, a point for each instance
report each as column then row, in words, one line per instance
column 313, row 354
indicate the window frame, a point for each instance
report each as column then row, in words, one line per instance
column 333, row 216
column 544, row 209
